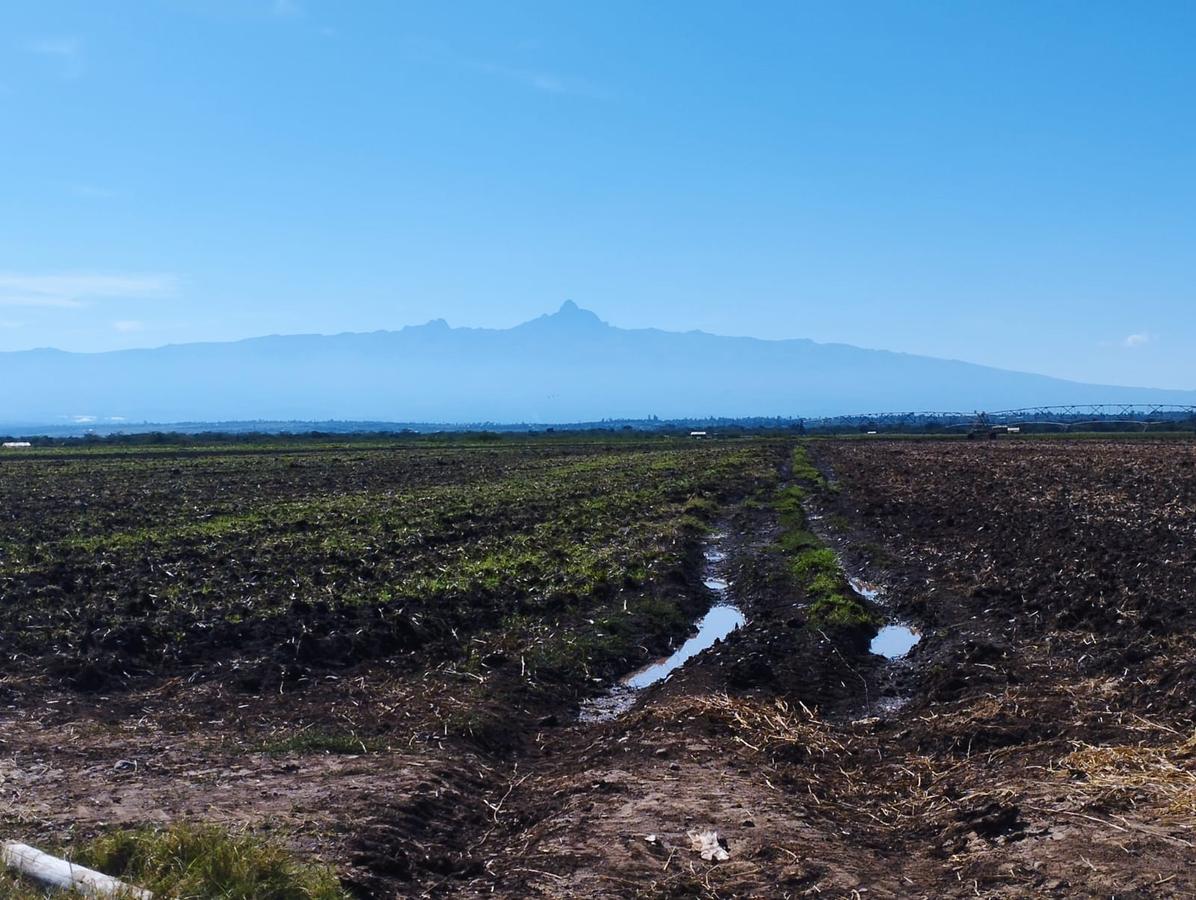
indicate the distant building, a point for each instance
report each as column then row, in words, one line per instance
column 12, row 444
column 697, row 434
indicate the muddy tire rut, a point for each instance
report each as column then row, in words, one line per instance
column 826, row 771
column 610, row 807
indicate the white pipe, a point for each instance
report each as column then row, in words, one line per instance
column 58, row 873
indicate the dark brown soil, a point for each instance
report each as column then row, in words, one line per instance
column 1034, row 744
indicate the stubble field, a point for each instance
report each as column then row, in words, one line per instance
column 374, row 655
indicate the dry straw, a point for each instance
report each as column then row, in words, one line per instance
column 1164, row 774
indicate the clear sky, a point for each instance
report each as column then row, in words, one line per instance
column 1005, row 182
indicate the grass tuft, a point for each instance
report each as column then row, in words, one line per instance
column 804, row 469
column 322, row 742
column 841, row 611
column 812, row 565
column 832, row 603
column 198, row 862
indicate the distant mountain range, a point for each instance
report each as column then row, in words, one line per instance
column 564, row 367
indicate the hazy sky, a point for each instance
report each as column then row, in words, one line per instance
column 1003, row 182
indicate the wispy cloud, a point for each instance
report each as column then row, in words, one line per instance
column 65, row 51
column 542, row 80
column 73, row 291
column 287, row 9
column 56, row 46
column 126, row 326
column 1141, row 339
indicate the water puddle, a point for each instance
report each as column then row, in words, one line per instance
column 894, row 641
column 714, row 626
column 722, row 618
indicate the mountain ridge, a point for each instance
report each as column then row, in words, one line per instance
column 562, row 366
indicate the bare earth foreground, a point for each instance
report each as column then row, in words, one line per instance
column 377, row 653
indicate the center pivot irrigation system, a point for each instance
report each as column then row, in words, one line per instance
column 1080, row 417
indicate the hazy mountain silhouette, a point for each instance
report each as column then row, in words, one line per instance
column 567, row 366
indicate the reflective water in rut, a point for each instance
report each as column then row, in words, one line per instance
column 894, row 641
column 714, row 626
column 723, row 618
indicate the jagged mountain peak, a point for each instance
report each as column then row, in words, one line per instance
column 570, row 316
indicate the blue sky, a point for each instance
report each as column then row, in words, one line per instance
column 1004, row 182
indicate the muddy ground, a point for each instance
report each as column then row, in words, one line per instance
column 1036, row 742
